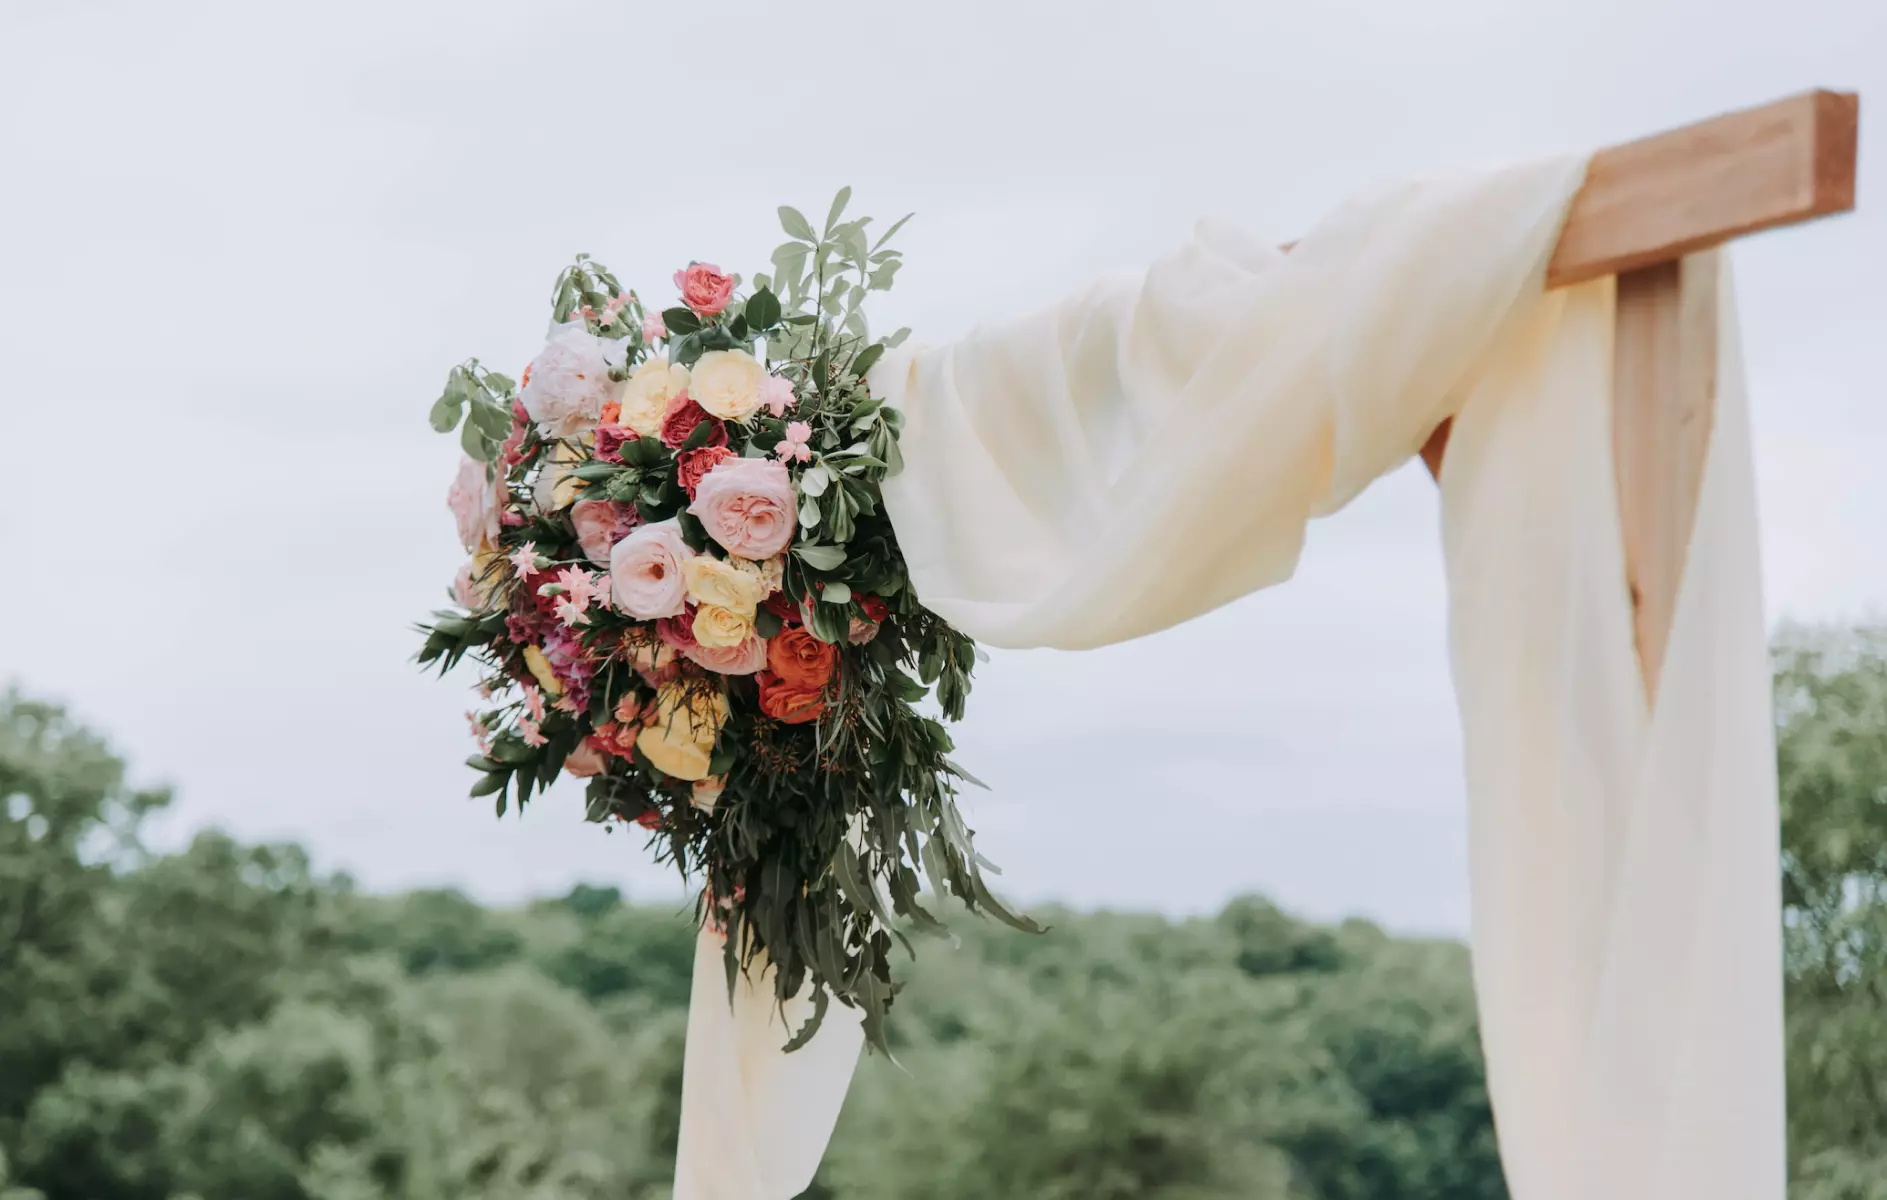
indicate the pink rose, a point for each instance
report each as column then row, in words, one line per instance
column 776, row 394
column 680, row 419
column 745, row 659
column 678, row 631
column 474, row 501
column 609, row 441
column 586, row 760
column 704, row 288
column 645, row 572
column 600, row 525
column 653, row 327
column 747, row 506
column 569, row 381
column 691, row 466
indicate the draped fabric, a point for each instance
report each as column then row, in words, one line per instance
column 1152, row 448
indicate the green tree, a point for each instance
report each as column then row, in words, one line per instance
column 1831, row 745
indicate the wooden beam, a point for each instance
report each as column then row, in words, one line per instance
column 1671, row 194
column 1664, row 397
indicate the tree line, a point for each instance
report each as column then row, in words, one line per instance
column 222, row 1023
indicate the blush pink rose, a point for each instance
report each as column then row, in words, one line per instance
column 474, row 501
column 600, row 525
column 645, row 572
column 586, row 760
column 747, row 506
column 745, row 659
column 704, row 288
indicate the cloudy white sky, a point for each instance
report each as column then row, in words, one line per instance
column 241, row 243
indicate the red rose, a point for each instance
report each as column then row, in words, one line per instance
column 704, row 288
column 609, row 441
column 681, row 418
column 789, row 704
column 691, row 466
column 800, row 660
column 783, row 607
column 875, row 609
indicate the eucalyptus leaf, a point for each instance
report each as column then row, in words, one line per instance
column 795, row 223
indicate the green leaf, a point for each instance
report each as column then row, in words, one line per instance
column 809, row 513
column 795, row 223
column 763, row 310
column 680, row 320
column 836, row 593
column 445, row 412
column 820, row 558
column 895, row 226
column 766, row 622
column 698, row 436
column 814, row 482
column 473, row 441
column 867, row 358
column 491, row 783
column 499, row 383
column 838, row 208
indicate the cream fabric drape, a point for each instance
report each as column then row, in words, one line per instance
column 1153, row 448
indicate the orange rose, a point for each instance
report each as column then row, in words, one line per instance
column 784, row 702
column 800, row 660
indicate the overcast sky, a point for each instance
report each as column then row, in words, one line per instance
column 240, row 245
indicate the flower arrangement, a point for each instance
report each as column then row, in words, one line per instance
column 683, row 587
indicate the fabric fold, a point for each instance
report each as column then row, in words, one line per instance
column 1153, row 448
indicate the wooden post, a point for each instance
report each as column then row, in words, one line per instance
column 1664, row 392
column 1651, row 213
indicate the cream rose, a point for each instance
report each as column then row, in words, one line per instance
column 723, row 584
column 717, row 626
column 679, row 741
column 706, row 793
column 645, row 398
column 727, row 384
column 556, row 488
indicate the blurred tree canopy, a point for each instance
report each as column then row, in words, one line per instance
column 223, row 1024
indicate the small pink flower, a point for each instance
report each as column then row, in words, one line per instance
column 653, row 327
column 478, row 726
column 534, row 701
column 529, row 731
column 571, row 613
column 578, row 584
column 524, row 558
column 793, row 447
column 776, row 394
column 704, row 288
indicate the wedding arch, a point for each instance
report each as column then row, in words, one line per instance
column 1558, row 342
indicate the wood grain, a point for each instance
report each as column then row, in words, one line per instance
column 1664, row 396
column 1685, row 190
column 1674, row 193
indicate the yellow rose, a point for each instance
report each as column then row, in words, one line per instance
column 645, row 397
column 688, row 719
column 723, row 584
column 540, row 667
column 556, row 488
column 768, row 572
column 727, row 384
column 717, row 626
